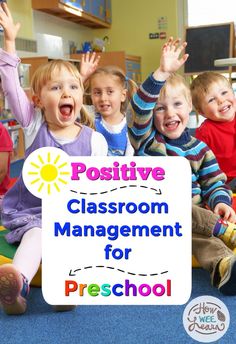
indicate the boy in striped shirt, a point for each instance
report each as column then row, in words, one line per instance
column 158, row 127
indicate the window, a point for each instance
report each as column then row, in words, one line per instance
column 210, row 12
column 207, row 12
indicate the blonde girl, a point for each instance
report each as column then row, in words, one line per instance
column 50, row 120
column 110, row 91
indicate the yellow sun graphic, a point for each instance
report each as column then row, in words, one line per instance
column 46, row 170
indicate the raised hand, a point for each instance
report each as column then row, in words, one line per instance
column 171, row 60
column 88, row 65
column 10, row 28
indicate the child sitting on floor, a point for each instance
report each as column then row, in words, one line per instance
column 57, row 94
column 157, row 127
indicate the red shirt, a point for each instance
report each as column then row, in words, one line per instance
column 221, row 138
column 5, row 146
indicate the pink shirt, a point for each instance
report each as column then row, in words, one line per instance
column 5, row 146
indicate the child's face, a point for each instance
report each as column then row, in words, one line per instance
column 171, row 113
column 219, row 103
column 61, row 99
column 107, row 95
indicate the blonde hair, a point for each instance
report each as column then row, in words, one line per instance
column 201, row 85
column 44, row 74
column 178, row 82
column 118, row 73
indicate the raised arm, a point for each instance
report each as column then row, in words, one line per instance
column 214, row 191
column 171, row 59
column 88, row 65
column 10, row 29
column 18, row 102
column 140, row 117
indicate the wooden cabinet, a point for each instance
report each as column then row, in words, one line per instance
column 107, row 58
column 131, row 65
column 91, row 13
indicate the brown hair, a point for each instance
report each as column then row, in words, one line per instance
column 44, row 73
column 125, row 82
column 201, row 85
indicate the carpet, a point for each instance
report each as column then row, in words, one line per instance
column 109, row 324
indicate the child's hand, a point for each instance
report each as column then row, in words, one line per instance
column 88, row 65
column 226, row 212
column 10, row 29
column 170, row 60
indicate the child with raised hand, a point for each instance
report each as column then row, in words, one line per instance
column 110, row 92
column 57, row 94
column 157, row 127
column 214, row 99
column 6, row 147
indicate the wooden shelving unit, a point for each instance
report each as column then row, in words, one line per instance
column 131, row 65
